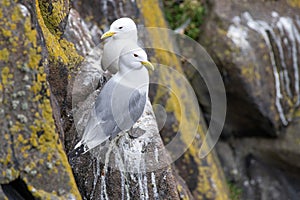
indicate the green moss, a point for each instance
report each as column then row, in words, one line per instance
column 235, row 191
column 177, row 12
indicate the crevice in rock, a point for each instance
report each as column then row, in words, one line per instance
column 17, row 190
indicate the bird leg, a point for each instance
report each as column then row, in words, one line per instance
column 136, row 132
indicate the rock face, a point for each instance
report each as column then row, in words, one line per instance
column 33, row 163
column 264, row 167
column 256, row 46
column 50, row 75
column 204, row 179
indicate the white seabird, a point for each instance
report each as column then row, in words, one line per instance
column 121, row 32
column 121, row 101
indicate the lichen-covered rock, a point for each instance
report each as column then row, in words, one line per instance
column 128, row 166
column 204, row 176
column 55, row 15
column 33, row 163
column 256, row 47
column 204, row 179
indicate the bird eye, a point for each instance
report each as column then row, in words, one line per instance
column 135, row 55
column 120, row 27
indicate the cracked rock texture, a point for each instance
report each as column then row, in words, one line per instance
column 50, row 74
column 256, row 46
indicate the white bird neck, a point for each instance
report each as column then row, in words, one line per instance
column 133, row 78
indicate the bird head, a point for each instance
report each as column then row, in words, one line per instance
column 135, row 58
column 121, row 28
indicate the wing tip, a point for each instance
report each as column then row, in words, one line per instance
column 78, row 150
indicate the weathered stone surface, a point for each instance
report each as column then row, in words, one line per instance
column 256, row 47
column 203, row 176
column 207, row 181
column 33, row 163
column 110, row 171
column 264, row 167
column 41, row 43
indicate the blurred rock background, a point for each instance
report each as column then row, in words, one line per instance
column 255, row 45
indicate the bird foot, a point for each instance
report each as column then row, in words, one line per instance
column 136, row 132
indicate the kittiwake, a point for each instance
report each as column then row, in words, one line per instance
column 121, row 32
column 121, row 101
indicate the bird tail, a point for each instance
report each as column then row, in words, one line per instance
column 79, row 149
column 91, row 138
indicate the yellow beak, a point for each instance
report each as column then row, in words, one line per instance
column 107, row 34
column 148, row 64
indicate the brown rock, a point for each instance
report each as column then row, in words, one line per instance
column 253, row 45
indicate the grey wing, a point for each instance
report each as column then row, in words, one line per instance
column 93, row 132
column 103, row 108
column 137, row 104
column 101, row 124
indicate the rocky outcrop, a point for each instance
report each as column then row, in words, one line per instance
column 199, row 180
column 256, row 46
column 50, row 76
column 264, row 167
column 33, row 163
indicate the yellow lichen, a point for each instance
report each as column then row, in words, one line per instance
column 59, row 51
column 34, row 58
column 6, row 33
column 294, row 3
column 34, row 140
column 179, row 189
column 4, row 54
column 6, row 3
column 296, row 113
column 13, row 27
column 41, row 78
column 53, row 47
column 16, row 14
column 210, row 179
column 4, row 75
column 8, row 157
column 40, row 131
column 250, row 73
column 30, row 34
column 71, row 53
column 54, row 16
